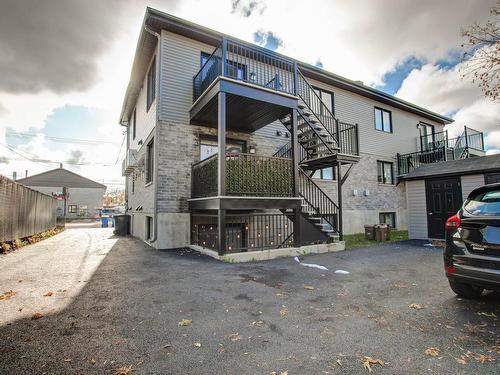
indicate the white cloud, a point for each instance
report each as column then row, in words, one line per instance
column 445, row 91
column 358, row 39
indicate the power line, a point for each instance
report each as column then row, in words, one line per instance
column 120, row 150
column 34, row 159
column 61, row 139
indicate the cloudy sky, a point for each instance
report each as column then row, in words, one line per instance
column 65, row 64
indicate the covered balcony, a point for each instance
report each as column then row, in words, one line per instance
column 250, row 182
column 259, row 86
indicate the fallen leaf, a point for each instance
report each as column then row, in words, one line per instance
column 48, row 294
column 461, row 360
column 432, row 351
column 234, row 337
column 166, row 346
column 36, row 316
column 7, row 295
column 339, row 362
column 123, row 370
column 67, row 360
column 283, row 311
column 93, row 361
column 308, row 287
column 481, row 358
column 185, row 322
column 416, row 306
column 489, row 315
column 258, row 323
column 197, row 344
column 368, row 361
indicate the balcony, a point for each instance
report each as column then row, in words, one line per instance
column 129, row 163
column 438, row 147
column 251, row 181
column 260, row 87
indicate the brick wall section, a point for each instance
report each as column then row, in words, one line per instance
column 179, row 148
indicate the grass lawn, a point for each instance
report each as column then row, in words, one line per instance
column 353, row 241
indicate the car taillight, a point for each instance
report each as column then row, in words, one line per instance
column 453, row 222
column 450, row 269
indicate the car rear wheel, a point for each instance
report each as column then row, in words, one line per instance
column 466, row 290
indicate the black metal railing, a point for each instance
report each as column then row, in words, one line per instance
column 408, row 162
column 313, row 101
column 210, row 70
column 474, row 139
column 348, row 139
column 318, row 201
column 246, row 175
column 204, row 177
column 243, row 232
column 252, row 65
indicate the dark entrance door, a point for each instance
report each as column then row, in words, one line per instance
column 444, row 198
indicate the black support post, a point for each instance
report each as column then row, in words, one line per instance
column 296, row 175
column 221, row 170
column 339, row 199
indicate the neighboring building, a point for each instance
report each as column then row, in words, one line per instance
column 83, row 196
column 291, row 131
column 436, row 191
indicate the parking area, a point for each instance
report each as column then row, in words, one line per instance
column 87, row 302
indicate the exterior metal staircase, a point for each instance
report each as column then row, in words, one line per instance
column 324, row 141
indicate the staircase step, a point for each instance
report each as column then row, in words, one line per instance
column 301, row 105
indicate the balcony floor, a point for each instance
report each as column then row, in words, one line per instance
column 243, row 203
column 248, row 107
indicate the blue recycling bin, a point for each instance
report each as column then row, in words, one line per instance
column 104, row 222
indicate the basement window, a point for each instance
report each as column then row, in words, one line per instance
column 72, row 208
column 149, row 228
column 388, row 218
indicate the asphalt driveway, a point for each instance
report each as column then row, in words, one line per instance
column 103, row 303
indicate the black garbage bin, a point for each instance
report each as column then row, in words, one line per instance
column 122, row 225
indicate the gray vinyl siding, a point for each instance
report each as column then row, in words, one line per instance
column 470, row 182
column 180, row 63
column 357, row 109
column 417, row 209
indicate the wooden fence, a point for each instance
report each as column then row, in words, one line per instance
column 24, row 211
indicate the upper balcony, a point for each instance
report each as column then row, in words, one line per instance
column 260, row 86
column 437, row 147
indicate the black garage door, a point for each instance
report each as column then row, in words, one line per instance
column 444, row 198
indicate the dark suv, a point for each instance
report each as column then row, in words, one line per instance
column 472, row 253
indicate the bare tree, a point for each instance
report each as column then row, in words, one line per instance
column 481, row 57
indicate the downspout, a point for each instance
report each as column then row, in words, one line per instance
column 156, row 143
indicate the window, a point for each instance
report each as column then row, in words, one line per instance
column 388, row 218
column 384, row 173
column 133, row 125
column 209, row 147
column 133, row 185
column 149, row 228
column 325, row 174
column 234, row 70
column 383, row 120
column 72, row 208
column 327, row 99
column 151, row 84
column 150, row 161
column 426, row 136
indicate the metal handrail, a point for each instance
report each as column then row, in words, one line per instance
column 330, row 127
column 318, row 200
